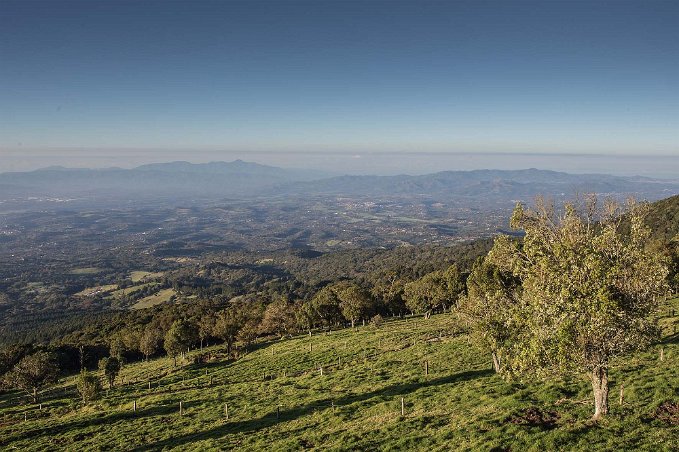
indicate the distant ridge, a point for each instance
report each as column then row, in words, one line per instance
column 180, row 180
column 514, row 183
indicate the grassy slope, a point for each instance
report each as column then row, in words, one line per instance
column 161, row 297
column 460, row 405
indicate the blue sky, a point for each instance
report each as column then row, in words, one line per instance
column 340, row 76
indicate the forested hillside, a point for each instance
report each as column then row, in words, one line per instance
column 663, row 219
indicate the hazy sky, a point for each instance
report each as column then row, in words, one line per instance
column 343, row 76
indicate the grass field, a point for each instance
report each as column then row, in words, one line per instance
column 87, row 271
column 99, row 290
column 279, row 400
column 130, row 290
column 138, row 276
column 161, row 297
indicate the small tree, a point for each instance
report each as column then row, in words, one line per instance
column 32, row 373
column 149, row 342
column 181, row 335
column 130, row 339
column 117, row 346
column 324, row 306
column 588, row 290
column 304, row 316
column 206, row 325
column 111, row 368
column 279, row 318
column 89, row 386
column 434, row 290
column 389, row 288
column 355, row 303
column 228, row 324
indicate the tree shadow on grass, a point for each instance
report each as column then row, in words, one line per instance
column 159, row 410
column 670, row 339
column 303, row 410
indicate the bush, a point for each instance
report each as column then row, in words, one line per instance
column 377, row 321
column 89, row 386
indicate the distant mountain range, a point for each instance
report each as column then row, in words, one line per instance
column 175, row 179
column 493, row 183
column 238, row 179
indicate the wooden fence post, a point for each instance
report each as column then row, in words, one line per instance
column 662, row 353
column 226, row 411
column 134, row 407
column 426, row 367
column 403, row 407
column 622, row 389
column 181, row 408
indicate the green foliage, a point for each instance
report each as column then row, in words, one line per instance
column 111, row 368
column 279, row 318
column 179, row 338
column 206, row 325
column 434, row 290
column 388, row 288
column 9, row 357
column 229, row 322
column 32, row 373
column 324, row 307
column 377, row 321
column 150, row 339
column 489, row 308
column 354, row 302
column 89, row 386
column 588, row 291
column 355, row 405
column 117, row 346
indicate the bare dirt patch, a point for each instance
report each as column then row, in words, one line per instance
column 535, row 417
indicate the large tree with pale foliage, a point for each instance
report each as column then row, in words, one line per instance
column 589, row 290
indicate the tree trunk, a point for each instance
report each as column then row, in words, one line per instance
column 600, row 388
column 496, row 361
column 35, row 395
column 201, row 345
column 352, row 323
